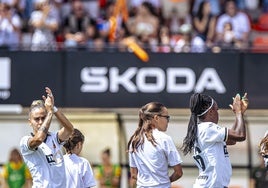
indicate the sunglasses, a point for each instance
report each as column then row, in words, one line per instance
column 167, row 117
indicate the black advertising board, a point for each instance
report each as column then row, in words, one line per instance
column 255, row 79
column 24, row 75
column 112, row 80
column 122, row 80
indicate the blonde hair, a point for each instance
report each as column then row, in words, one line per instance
column 37, row 104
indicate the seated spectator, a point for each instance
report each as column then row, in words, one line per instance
column 76, row 25
column 204, row 25
column 135, row 4
column 164, row 40
column 145, row 25
column 228, row 40
column 239, row 21
column 174, row 19
column 44, row 26
column 10, row 27
column 182, row 42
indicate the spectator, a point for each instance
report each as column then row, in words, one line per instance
column 175, row 12
column 10, row 27
column 175, row 20
column 145, row 25
column 239, row 21
column 135, row 4
column 107, row 173
column 44, row 25
column 76, row 26
column 182, row 43
column 15, row 172
column 92, row 8
column 215, row 6
column 204, row 24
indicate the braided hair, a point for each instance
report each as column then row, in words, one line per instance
column 145, row 126
column 200, row 104
column 73, row 140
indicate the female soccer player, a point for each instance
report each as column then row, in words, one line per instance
column 208, row 140
column 151, row 151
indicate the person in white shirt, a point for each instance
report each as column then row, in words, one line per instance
column 240, row 23
column 44, row 23
column 78, row 170
column 42, row 150
column 10, row 27
column 208, row 140
column 151, row 151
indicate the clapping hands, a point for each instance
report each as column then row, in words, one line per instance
column 239, row 105
column 49, row 99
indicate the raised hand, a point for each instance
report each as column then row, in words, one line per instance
column 49, row 99
column 245, row 103
column 237, row 104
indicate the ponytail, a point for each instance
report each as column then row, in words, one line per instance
column 199, row 105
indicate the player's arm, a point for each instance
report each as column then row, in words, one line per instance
column 133, row 176
column 238, row 131
column 67, row 128
column 177, row 173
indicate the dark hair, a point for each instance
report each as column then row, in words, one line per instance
column 149, row 6
column 199, row 13
column 73, row 140
column 107, row 151
column 145, row 126
column 199, row 104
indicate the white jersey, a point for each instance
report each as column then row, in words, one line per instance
column 211, row 156
column 45, row 163
column 152, row 161
column 78, row 172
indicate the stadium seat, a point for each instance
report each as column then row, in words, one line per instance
column 260, row 44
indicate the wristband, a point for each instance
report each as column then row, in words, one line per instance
column 55, row 109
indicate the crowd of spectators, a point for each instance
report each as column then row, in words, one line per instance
column 158, row 25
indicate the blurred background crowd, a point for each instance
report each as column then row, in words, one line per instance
column 158, row 25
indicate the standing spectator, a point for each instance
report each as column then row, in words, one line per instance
column 151, row 151
column 78, row 171
column 107, row 173
column 44, row 25
column 208, row 141
column 42, row 150
column 204, row 24
column 15, row 172
column 76, row 24
column 92, row 8
column 239, row 21
column 10, row 27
